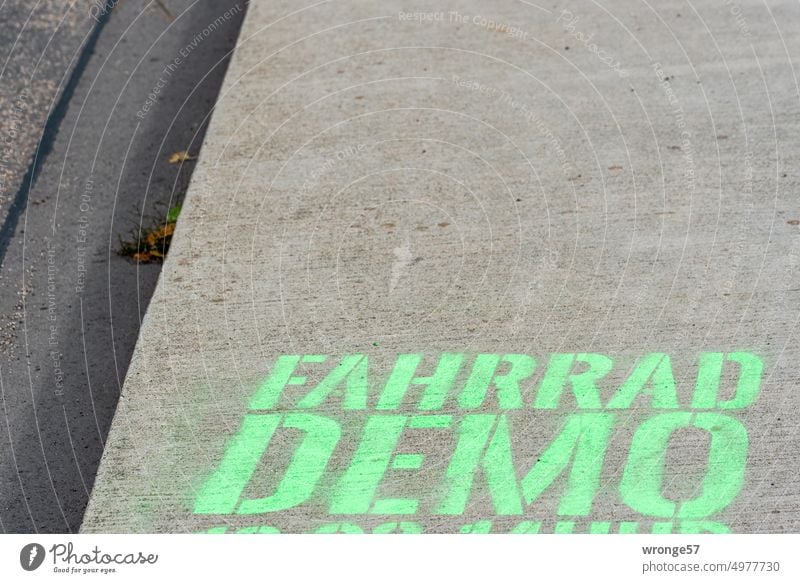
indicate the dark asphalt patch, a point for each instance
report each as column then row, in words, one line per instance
column 73, row 306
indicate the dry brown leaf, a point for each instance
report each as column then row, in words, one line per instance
column 142, row 257
column 181, row 156
column 159, row 234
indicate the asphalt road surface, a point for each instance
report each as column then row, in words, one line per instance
column 472, row 267
column 104, row 80
column 42, row 45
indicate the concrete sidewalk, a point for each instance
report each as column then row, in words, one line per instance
column 584, row 224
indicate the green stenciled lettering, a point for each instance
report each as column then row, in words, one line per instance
column 352, row 370
column 437, row 386
column 407, row 461
column 559, row 372
column 709, row 372
column 258, row 530
column 507, row 385
column 398, row 528
column 268, row 394
column 599, row 527
column 339, row 528
column 356, row 488
column 583, row 442
column 480, row 527
column 497, row 464
column 306, row 467
column 642, row 479
column 709, row 375
column 527, row 527
column 655, row 367
column 221, row 491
